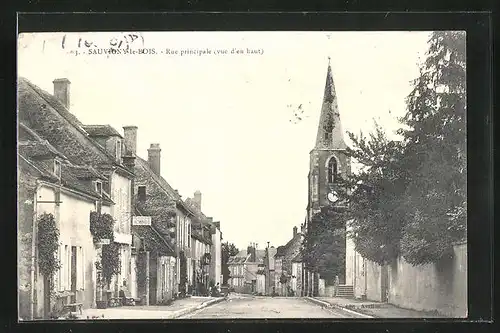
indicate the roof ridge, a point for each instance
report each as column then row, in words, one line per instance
column 79, row 127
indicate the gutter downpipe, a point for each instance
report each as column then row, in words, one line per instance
column 33, row 252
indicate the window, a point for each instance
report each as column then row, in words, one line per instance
column 67, row 275
column 98, row 187
column 57, row 168
column 332, row 169
column 327, row 137
column 80, row 269
column 141, row 193
column 118, row 150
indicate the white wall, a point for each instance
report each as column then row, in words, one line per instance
column 121, row 212
column 73, row 221
column 215, row 266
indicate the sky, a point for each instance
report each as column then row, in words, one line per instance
column 224, row 121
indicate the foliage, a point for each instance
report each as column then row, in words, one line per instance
column 375, row 214
column 435, row 152
column 283, row 278
column 110, row 259
column 47, row 243
column 227, row 250
column 101, row 226
column 323, row 249
column 409, row 197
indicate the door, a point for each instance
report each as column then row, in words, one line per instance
column 384, row 283
column 73, row 274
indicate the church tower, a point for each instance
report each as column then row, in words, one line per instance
column 328, row 159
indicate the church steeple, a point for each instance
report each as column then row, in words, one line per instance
column 330, row 135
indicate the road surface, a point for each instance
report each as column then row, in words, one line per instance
column 246, row 306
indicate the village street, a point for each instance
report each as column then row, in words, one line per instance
column 246, row 306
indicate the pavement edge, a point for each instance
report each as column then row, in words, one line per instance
column 329, row 305
column 189, row 310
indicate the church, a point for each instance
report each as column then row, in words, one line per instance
column 328, row 162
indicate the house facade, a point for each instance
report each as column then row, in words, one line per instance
column 285, row 262
column 92, row 166
column 237, row 271
column 201, row 258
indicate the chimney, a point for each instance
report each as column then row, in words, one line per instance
column 154, row 158
column 130, row 134
column 61, row 91
column 294, row 231
column 197, row 199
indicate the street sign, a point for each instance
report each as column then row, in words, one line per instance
column 104, row 242
column 141, row 220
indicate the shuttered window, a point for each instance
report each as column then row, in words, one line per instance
column 67, row 270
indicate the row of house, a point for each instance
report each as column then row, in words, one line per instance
column 268, row 271
column 166, row 245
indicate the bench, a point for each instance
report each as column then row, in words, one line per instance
column 73, row 306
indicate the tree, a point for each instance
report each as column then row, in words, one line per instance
column 228, row 250
column 323, row 249
column 374, row 197
column 435, row 152
column 409, row 198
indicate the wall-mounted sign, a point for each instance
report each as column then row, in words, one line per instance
column 141, row 220
column 104, row 242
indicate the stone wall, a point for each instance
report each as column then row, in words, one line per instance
column 441, row 286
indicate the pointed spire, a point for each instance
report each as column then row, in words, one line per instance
column 330, row 134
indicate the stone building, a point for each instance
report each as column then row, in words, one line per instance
column 237, row 271
column 208, row 241
column 170, row 220
column 247, row 270
column 284, row 257
column 77, row 160
column 328, row 162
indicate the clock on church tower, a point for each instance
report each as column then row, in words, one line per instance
column 328, row 159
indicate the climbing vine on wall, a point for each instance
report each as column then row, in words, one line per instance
column 101, row 226
column 48, row 243
column 110, row 260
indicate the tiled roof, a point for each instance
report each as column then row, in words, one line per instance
column 45, row 168
column 46, row 116
column 143, row 166
column 36, row 149
column 153, row 240
column 40, row 154
column 101, row 130
column 28, row 165
column 281, row 251
column 70, row 176
column 239, row 258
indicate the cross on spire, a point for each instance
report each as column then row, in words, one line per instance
column 328, row 60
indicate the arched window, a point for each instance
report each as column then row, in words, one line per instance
column 332, row 170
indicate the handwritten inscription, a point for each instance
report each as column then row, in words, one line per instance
column 133, row 44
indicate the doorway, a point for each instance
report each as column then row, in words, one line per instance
column 384, row 283
column 73, row 274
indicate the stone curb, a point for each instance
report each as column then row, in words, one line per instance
column 335, row 306
column 186, row 311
